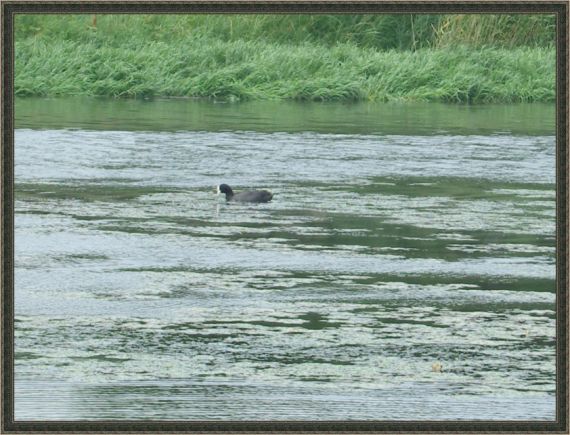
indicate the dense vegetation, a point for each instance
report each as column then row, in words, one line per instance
column 455, row 58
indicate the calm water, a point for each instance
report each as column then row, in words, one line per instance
column 399, row 236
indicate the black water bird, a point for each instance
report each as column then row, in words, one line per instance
column 248, row 196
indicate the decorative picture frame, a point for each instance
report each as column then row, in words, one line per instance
column 11, row 8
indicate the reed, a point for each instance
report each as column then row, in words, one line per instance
column 403, row 31
column 282, row 57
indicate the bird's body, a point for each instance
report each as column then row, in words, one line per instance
column 248, row 196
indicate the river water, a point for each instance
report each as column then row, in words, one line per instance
column 399, row 236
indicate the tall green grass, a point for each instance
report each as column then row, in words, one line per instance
column 402, row 31
column 373, row 57
column 497, row 30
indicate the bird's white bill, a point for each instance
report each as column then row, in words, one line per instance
column 218, row 189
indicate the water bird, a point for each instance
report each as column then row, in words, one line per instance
column 247, row 196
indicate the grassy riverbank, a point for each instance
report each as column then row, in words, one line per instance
column 307, row 58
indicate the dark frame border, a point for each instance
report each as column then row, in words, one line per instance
column 11, row 7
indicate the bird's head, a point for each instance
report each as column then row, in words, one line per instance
column 224, row 188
